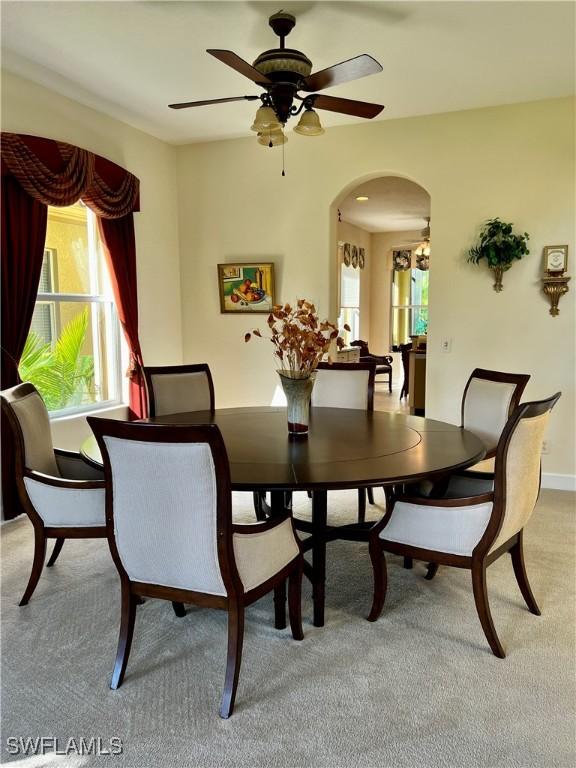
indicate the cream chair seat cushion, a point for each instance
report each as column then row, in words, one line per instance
column 261, row 555
column 486, row 409
column 486, row 465
column 341, row 389
column 35, row 425
column 181, row 392
column 165, row 499
column 455, row 530
column 67, row 507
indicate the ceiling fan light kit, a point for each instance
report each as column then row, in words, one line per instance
column 309, row 124
column 272, row 138
column 282, row 72
column 265, row 120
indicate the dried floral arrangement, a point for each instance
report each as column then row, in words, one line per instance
column 300, row 339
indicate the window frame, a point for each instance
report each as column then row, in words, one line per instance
column 411, row 308
column 113, row 337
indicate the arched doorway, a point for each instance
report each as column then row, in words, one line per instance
column 380, row 270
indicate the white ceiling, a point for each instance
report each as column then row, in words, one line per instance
column 394, row 205
column 131, row 59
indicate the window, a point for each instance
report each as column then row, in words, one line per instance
column 409, row 305
column 349, row 303
column 72, row 353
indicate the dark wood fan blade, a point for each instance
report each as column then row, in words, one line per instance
column 186, row 104
column 352, row 69
column 348, row 106
column 234, row 61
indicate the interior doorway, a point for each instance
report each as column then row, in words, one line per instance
column 383, row 261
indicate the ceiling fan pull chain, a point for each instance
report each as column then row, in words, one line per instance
column 283, row 145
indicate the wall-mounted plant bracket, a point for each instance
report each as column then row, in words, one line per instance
column 555, row 288
column 499, row 246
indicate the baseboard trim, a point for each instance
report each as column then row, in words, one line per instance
column 559, row 482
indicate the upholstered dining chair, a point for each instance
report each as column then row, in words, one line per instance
column 171, row 535
column 475, row 531
column 179, row 388
column 346, row 385
column 488, row 400
column 383, row 362
column 62, row 495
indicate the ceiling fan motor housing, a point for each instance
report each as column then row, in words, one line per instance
column 284, row 64
column 287, row 68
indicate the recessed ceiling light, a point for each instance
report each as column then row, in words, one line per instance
column 362, row 198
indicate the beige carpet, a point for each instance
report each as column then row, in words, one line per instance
column 418, row 688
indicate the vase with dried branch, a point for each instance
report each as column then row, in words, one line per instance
column 300, row 342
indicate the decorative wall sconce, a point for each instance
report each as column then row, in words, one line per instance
column 554, row 282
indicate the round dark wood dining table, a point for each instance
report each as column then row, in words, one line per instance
column 343, row 449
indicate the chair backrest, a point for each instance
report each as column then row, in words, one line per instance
column 344, row 385
column 488, row 400
column 517, row 467
column 168, row 504
column 363, row 345
column 28, row 418
column 179, row 388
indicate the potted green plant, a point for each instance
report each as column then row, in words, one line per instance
column 499, row 245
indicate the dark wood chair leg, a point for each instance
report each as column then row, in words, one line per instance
column 483, row 608
column 519, row 566
column 280, row 606
column 408, row 562
column 431, row 571
column 390, row 383
column 370, row 493
column 55, row 552
column 361, row 505
column 380, row 580
column 179, row 609
column 295, row 601
column 235, row 640
column 125, row 636
column 259, row 500
column 37, row 564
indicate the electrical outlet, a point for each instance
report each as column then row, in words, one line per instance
column 446, row 344
column 545, row 447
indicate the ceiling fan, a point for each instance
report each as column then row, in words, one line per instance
column 283, row 72
column 424, row 235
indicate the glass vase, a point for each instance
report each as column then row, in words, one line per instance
column 298, row 390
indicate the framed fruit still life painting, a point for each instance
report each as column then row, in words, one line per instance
column 246, row 287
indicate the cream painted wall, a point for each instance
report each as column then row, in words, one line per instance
column 382, row 245
column 31, row 108
column 516, row 162
column 348, row 233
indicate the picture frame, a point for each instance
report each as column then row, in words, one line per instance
column 555, row 259
column 246, row 287
column 401, row 260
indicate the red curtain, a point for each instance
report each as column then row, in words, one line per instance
column 23, row 236
column 120, row 249
column 38, row 172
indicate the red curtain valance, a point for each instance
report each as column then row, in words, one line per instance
column 56, row 173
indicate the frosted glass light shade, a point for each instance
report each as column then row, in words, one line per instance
column 277, row 138
column 309, row 124
column 265, row 120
